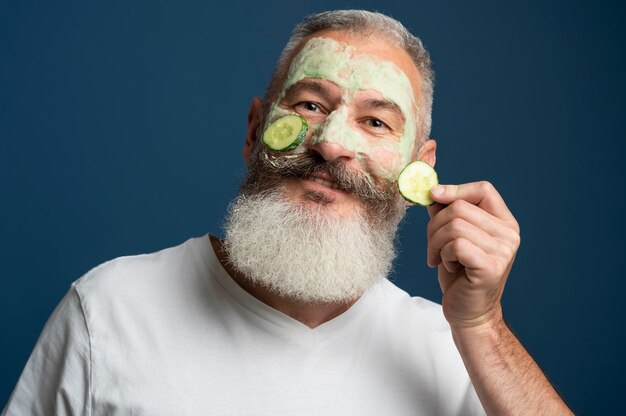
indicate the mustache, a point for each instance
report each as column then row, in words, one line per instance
column 303, row 164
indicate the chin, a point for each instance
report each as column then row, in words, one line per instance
column 298, row 249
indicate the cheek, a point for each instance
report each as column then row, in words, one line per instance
column 275, row 113
column 384, row 160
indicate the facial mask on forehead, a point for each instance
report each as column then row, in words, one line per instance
column 328, row 59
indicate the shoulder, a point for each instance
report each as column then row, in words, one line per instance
column 416, row 329
column 135, row 281
column 413, row 310
column 136, row 269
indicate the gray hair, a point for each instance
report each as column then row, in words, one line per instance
column 364, row 23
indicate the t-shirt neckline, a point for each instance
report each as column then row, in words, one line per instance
column 253, row 305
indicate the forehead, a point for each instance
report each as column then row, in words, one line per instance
column 366, row 58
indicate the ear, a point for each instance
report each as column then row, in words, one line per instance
column 254, row 124
column 428, row 152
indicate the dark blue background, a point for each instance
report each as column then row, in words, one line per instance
column 121, row 125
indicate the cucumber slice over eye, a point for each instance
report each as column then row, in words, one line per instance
column 285, row 133
column 415, row 182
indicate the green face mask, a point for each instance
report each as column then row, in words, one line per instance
column 323, row 58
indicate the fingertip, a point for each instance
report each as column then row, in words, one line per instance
column 439, row 194
column 437, row 191
column 432, row 259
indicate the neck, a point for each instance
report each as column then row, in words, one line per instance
column 311, row 314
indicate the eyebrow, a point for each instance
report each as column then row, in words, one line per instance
column 308, row 85
column 384, row 105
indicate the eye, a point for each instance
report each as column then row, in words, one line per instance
column 376, row 124
column 309, row 106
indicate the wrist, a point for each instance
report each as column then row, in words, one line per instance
column 482, row 323
column 485, row 331
column 475, row 343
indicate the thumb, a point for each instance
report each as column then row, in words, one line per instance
column 444, row 194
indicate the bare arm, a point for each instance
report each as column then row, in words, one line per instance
column 473, row 239
column 506, row 378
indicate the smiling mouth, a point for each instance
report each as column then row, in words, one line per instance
column 324, row 182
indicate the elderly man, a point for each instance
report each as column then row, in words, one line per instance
column 292, row 312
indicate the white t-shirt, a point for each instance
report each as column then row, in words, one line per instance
column 170, row 333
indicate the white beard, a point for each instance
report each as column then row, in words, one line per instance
column 305, row 253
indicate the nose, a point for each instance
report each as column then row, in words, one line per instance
column 332, row 151
column 332, row 136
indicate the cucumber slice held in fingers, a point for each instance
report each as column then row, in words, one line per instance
column 285, row 133
column 415, row 182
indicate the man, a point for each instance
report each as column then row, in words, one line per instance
column 291, row 313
